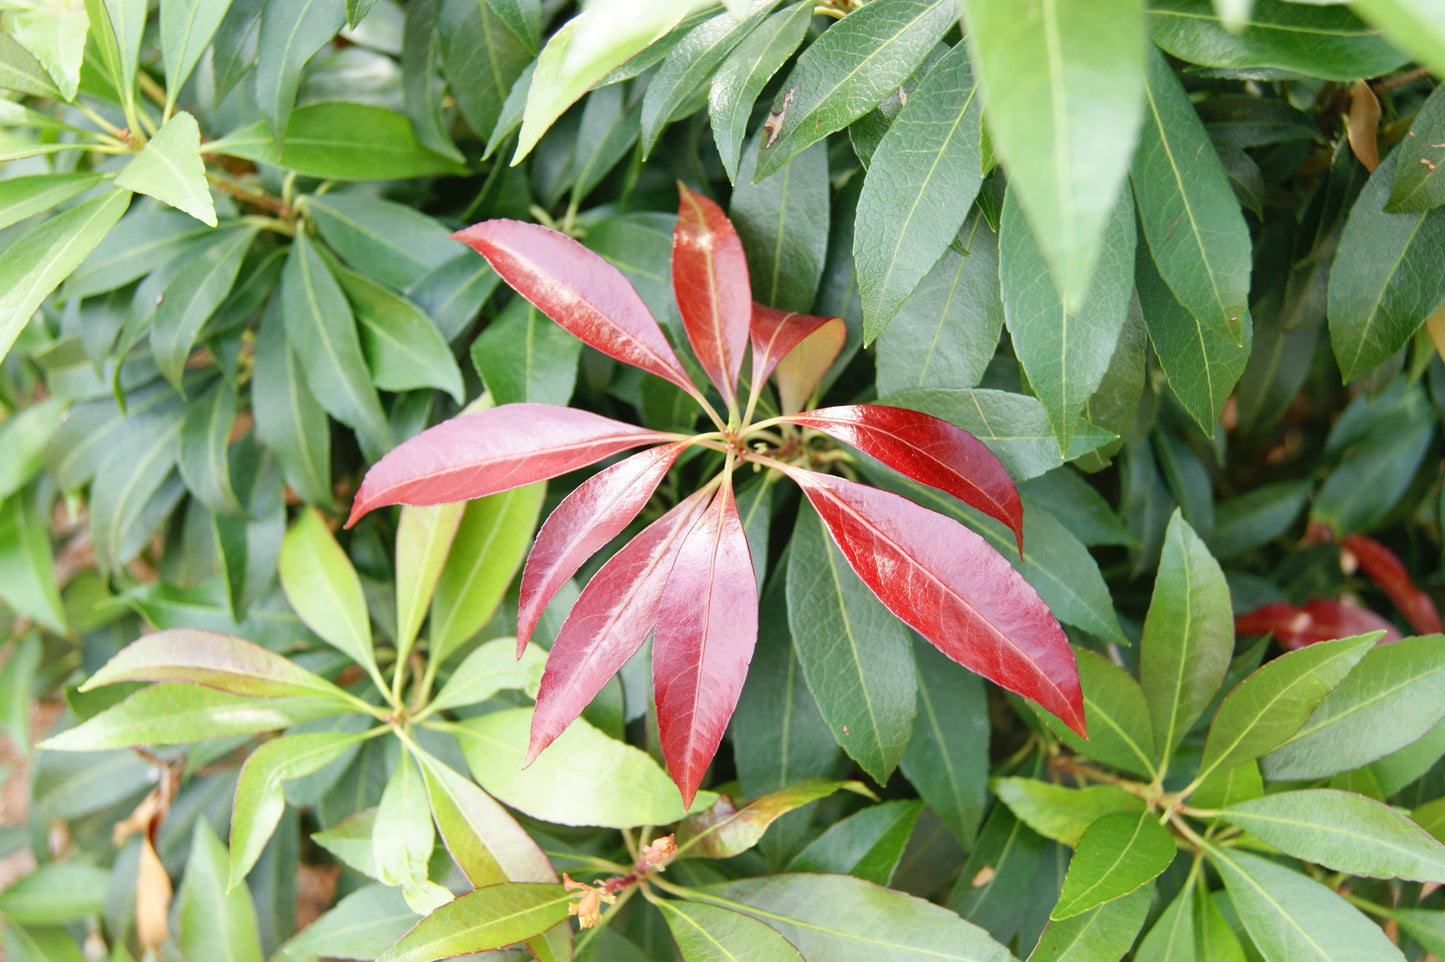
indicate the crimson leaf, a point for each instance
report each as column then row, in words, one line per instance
column 774, row 334
column 710, row 280
column 1323, row 619
column 1386, row 570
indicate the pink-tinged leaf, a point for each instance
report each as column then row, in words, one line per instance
column 1387, row 571
column 593, row 514
column 474, row 455
column 929, row 450
column 725, row 830
column 951, row 587
column 710, row 281
column 609, row 622
column 579, row 290
column 775, row 333
column 707, row 625
column 1323, row 619
column 801, row 370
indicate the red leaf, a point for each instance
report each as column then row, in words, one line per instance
column 1323, row 619
column 473, row 455
column 950, row 586
column 1387, row 571
column 775, row 333
column 707, row 625
column 609, row 622
column 710, row 280
column 592, row 515
column 929, row 450
column 579, row 290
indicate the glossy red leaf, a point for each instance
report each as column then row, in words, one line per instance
column 473, row 455
column 710, row 280
column 929, row 450
column 1323, row 619
column 594, row 513
column 1387, row 571
column 707, row 625
column 951, row 587
column 579, row 290
column 609, row 622
column 775, row 333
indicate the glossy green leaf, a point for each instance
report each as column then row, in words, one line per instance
column 20, row 71
column 484, row 840
column 187, row 27
column 783, row 224
column 1120, row 732
column 706, row 933
column 1416, row 186
column 1188, row 636
column 1060, row 813
column 218, row 920
column 522, row 355
column 1293, row 918
column 845, row 919
column 1102, row 934
column 234, row 50
column 32, row 267
column 856, row 656
column 1414, row 26
column 55, row 35
column 362, row 925
column 1065, row 352
column 725, row 830
column 289, row 419
column 323, row 588
column 741, row 77
column 1053, row 77
column 27, row 571
column 290, row 34
column 192, row 297
column 143, row 240
column 492, row 539
column 999, row 874
column 1344, row 832
column 1116, row 855
column 423, row 539
column 867, row 844
column 403, row 348
column 57, row 893
column 453, row 292
column 1172, row 938
column 169, row 169
column 403, row 837
column 481, row 57
column 583, row 778
column 492, row 667
column 1270, row 705
column 487, row 918
column 605, row 134
column 947, row 756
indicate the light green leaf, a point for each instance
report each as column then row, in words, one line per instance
column 1102, row 934
column 187, row 27
column 17, row 679
column 55, row 34
column 706, row 933
column 1172, row 938
column 484, row 840
column 1116, row 855
column 493, row 667
column 1120, row 732
column 350, row 839
column 22, row 197
column 1054, row 76
column 1061, row 813
column 323, row 588
column 487, row 918
column 783, row 224
column 742, row 76
column 123, row 31
column 947, row 756
column 361, row 926
column 1415, row 26
column 57, row 893
column 724, row 830
column 218, row 921
column 423, row 539
column 27, row 571
column 35, row 264
column 289, row 419
column 290, row 34
column 169, row 169
column 20, row 71
column 192, row 296
column 1425, row 926
column 402, row 838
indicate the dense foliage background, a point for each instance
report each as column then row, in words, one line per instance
column 1180, row 265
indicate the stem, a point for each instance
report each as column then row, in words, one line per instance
column 105, row 125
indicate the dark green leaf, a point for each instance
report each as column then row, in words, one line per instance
column 1102, row 934
column 454, row 291
column 1116, row 855
column 742, row 76
column 608, row 129
column 142, row 241
column 1375, row 472
column 288, row 417
column 383, row 239
column 403, row 348
column 867, row 844
column 187, row 27
column 481, row 57
column 204, row 450
column 947, row 757
column 135, row 490
column 192, row 296
column 523, row 356
column 783, row 224
column 1078, row 505
column 1256, row 517
column 998, row 874
column 290, row 34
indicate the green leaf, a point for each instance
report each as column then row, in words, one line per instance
column 1120, row 732
column 204, row 450
column 1375, row 473
column 844, row 919
column 1411, row 25
column 1102, row 934
column 706, row 933
column 403, row 347
column 144, row 240
column 218, row 921
column 1292, row 918
column 322, row 330
column 606, row 132
column 783, row 224
column 35, row 264
column 290, row 34
column 27, row 571
column 20, row 71
column 931, row 150
column 867, row 844
column 403, row 837
column 423, row 538
column 171, row 714
column 1053, row 77
column 1325, row 41
column 1381, row 286
column 339, row 141
column 946, row 331
column 259, row 799
column 1343, row 832
column 187, row 27
column 43, row 944
column 58, row 893
column 193, row 296
column 350, row 839
column 491, row 668
column 741, row 77
column 481, row 58
column 848, row 70
column 382, row 239
column 23, row 197
column 1257, row 517
column 1065, row 352
column 117, row 26
column 423, row 91
column 1188, row 637
column 491, row 542
column 1425, row 926
column 1402, row 767
column 856, row 657
column 1060, row 813
column 724, row 830
column 289, row 419
column 947, row 756
column 169, row 169
column 1116, row 855
column 135, row 490
column 999, row 874
column 522, row 355
column 17, row 680
column 484, row 840
column 55, row 35
column 453, row 292
column 485, row 919
column 362, row 925
column 1172, row 938
column 1079, row 506
column 356, row 11
column 1416, row 186
column 323, row 588
column 583, row 778
column 1270, row 705
column 1394, row 696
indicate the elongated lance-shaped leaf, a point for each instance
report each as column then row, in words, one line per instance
column 1117, row 854
column 1323, row 619
column 609, row 622
column 424, row 536
column 482, row 920
column 725, row 830
column 579, row 290
column 187, row 27
column 322, row 586
column 946, row 583
column 290, row 34
column 742, row 76
column 1386, row 570
column 485, row 841
column 594, row 513
column 707, row 625
column 710, row 279
column 929, row 450
column 473, row 455
column 774, row 333
column 708, row 933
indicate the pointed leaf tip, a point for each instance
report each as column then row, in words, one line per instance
column 710, row 281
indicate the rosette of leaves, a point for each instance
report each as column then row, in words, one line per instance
column 688, row 579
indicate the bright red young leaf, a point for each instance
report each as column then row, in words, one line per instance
column 928, row 450
column 951, row 587
column 593, row 514
column 1323, row 619
column 474, row 455
column 609, row 621
column 707, row 625
column 579, row 290
column 774, row 333
column 1387, row 571
column 710, row 279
